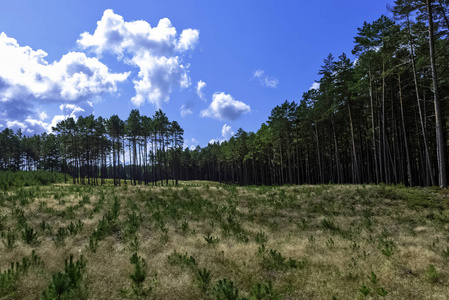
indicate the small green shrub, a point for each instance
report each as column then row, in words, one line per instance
column 225, row 290
column 203, row 279
column 210, row 239
column 261, row 237
column 381, row 292
column 364, row 290
column 432, row 274
column 182, row 260
column 68, row 284
column 9, row 239
column 262, row 291
column 29, row 235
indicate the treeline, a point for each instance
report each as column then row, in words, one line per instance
column 10, row 179
column 92, row 149
column 381, row 118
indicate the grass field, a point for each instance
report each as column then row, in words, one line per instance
column 201, row 240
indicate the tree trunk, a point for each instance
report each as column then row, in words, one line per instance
column 407, row 151
column 438, row 119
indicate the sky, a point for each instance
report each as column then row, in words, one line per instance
column 213, row 66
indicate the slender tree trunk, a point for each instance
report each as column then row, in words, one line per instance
column 124, row 160
column 441, row 157
column 355, row 168
column 407, row 151
column 429, row 164
column 318, row 152
column 376, row 165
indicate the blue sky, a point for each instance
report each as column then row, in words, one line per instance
column 69, row 58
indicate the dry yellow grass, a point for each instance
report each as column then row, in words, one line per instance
column 338, row 236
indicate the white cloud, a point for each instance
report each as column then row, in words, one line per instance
column 258, row 73
column 225, row 107
column 154, row 50
column 268, row 81
column 31, row 125
column 26, row 73
column 15, row 125
column 74, row 111
column 42, row 115
column 226, row 132
column 185, row 110
column 193, row 144
column 199, row 89
column 27, row 79
column 213, row 141
column 188, row 39
column 315, row 86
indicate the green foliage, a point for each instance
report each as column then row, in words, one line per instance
column 296, row 264
column 9, row 239
column 43, row 225
column 182, row 260
column 381, row 292
column 311, row 239
column 225, row 290
column 60, row 237
column 261, row 291
column 69, row 284
column 355, row 247
column 75, row 228
column 364, row 290
column 241, row 237
column 329, row 225
column 140, row 273
column 185, row 226
column 388, row 249
column 29, row 235
column 9, row 277
column 134, row 244
column 274, row 260
column 9, row 180
column 93, row 243
column 203, row 279
column 432, row 274
column 261, row 237
column 373, row 278
column 210, row 239
column 132, row 224
column 445, row 253
column 139, row 276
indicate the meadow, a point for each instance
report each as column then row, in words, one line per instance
column 202, row 240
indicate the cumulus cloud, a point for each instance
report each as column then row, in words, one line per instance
column 265, row 80
column 315, row 86
column 226, row 131
column 258, row 73
column 225, row 107
column 199, row 89
column 27, row 80
column 31, row 125
column 186, row 109
column 188, row 39
column 154, row 50
column 192, row 142
column 74, row 111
